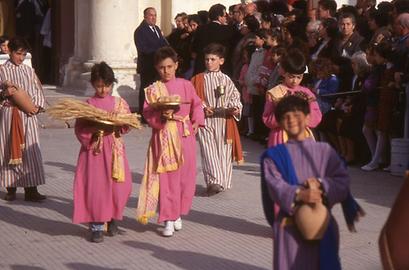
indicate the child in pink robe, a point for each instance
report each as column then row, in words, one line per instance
column 293, row 66
column 100, row 195
column 176, row 186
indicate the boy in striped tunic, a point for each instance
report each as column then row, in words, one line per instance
column 219, row 140
column 21, row 163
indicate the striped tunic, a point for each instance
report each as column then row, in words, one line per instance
column 31, row 172
column 216, row 153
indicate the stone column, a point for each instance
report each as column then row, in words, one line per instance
column 104, row 32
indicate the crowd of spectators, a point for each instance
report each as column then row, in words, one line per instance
column 357, row 59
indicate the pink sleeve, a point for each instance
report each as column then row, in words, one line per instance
column 125, row 129
column 84, row 132
column 268, row 115
column 196, row 108
column 315, row 112
column 153, row 117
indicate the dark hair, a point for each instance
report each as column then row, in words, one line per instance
column 163, row 53
column 330, row 5
column 216, row 49
column 279, row 50
column 291, row 103
column 274, row 34
column 385, row 7
column 266, row 16
column 252, row 23
column 3, row 39
column 182, row 14
column 216, row 11
column 102, row 71
column 324, row 65
column 18, row 43
column 331, row 27
column 279, row 7
column 204, row 16
column 195, row 18
column 294, row 62
column 384, row 49
column 261, row 33
column 401, row 6
column 381, row 18
column 346, row 15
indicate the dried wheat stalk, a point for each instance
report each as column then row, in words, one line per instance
column 67, row 109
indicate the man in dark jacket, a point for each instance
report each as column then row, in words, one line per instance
column 217, row 31
column 148, row 39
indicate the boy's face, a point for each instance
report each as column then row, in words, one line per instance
column 17, row 57
column 292, row 80
column 167, row 69
column 213, row 62
column 275, row 58
column 101, row 89
column 295, row 124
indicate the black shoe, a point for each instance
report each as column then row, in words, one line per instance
column 11, row 194
column 213, row 189
column 112, row 228
column 97, row 236
column 31, row 194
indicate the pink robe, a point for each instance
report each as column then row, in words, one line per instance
column 97, row 197
column 276, row 133
column 177, row 188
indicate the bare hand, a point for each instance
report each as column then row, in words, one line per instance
column 195, row 127
column 309, row 195
column 168, row 114
column 9, row 88
column 313, row 183
column 209, row 111
column 233, row 111
column 34, row 112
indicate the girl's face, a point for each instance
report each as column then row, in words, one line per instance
column 292, row 80
column 167, row 69
column 271, row 41
column 259, row 42
column 275, row 58
column 4, row 48
column 101, row 89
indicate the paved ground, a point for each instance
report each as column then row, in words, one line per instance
column 227, row 231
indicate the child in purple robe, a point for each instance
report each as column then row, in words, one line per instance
column 103, row 182
column 288, row 172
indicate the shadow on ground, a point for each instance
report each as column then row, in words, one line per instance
column 191, row 260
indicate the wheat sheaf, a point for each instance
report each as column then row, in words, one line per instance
column 68, row 109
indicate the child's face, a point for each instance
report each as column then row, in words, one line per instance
column 378, row 59
column 259, row 42
column 270, row 41
column 275, row 58
column 295, row 124
column 101, row 89
column 167, row 69
column 213, row 62
column 179, row 23
column 292, row 80
column 17, row 57
column 4, row 47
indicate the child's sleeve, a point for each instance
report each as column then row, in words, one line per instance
column 336, row 180
column 196, row 108
column 269, row 118
column 234, row 99
column 280, row 191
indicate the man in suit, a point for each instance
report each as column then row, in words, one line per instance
column 217, row 31
column 148, row 39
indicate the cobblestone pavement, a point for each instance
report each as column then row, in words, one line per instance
column 227, row 231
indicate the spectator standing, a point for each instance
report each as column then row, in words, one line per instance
column 148, row 39
column 350, row 40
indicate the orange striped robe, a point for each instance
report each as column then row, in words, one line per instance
column 31, row 172
column 216, row 153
